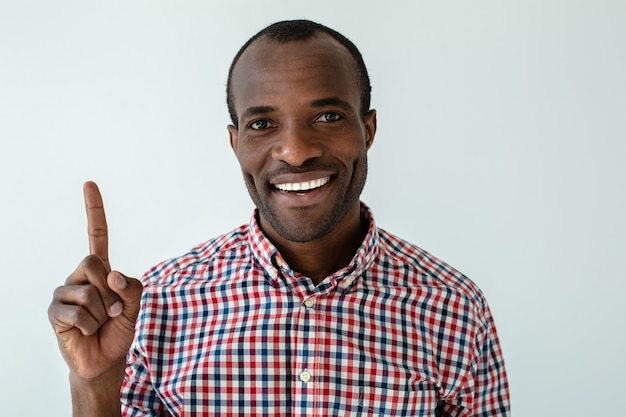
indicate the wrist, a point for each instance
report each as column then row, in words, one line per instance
column 98, row 396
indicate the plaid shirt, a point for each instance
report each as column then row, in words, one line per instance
column 229, row 329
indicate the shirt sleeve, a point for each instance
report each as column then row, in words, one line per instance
column 485, row 391
column 492, row 389
column 138, row 397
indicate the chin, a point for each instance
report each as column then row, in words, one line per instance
column 301, row 225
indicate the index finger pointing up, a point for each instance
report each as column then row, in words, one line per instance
column 96, row 223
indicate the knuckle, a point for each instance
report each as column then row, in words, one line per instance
column 81, row 319
column 71, row 278
column 58, row 293
column 90, row 262
column 88, row 295
column 52, row 309
column 64, row 316
column 71, row 315
column 98, row 232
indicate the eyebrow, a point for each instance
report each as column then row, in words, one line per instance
column 322, row 102
column 256, row 110
column 331, row 101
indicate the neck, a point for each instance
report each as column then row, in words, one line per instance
column 321, row 257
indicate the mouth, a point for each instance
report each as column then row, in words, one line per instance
column 304, row 186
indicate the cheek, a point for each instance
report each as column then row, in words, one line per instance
column 352, row 155
column 251, row 160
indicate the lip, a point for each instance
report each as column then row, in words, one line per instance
column 295, row 199
column 300, row 177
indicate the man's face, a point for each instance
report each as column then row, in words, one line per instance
column 301, row 141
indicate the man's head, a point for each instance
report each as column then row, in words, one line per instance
column 300, row 132
column 301, row 30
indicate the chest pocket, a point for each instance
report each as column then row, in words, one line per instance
column 375, row 402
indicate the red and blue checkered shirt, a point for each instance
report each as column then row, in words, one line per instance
column 229, row 329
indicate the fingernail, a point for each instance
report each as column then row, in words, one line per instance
column 116, row 309
column 120, row 281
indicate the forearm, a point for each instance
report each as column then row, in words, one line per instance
column 100, row 397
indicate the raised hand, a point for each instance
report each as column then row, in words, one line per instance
column 94, row 313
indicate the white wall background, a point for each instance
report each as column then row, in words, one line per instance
column 501, row 149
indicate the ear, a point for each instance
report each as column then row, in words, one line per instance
column 370, row 128
column 233, row 133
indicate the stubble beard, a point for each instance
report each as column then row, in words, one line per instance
column 303, row 227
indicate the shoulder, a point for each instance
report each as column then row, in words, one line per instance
column 419, row 268
column 219, row 250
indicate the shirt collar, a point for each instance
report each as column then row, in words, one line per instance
column 279, row 273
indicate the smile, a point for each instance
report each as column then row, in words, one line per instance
column 303, row 186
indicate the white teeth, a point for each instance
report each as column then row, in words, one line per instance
column 303, row 186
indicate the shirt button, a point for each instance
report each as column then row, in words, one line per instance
column 309, row 302
column 305, row 376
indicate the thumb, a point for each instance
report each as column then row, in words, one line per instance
column 129, row 291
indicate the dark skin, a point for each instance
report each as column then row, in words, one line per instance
column 302, row 145
column 94, row 317
column 299, row 121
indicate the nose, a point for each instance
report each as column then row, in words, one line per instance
column 296, row 145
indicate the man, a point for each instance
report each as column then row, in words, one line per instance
column 308, row 310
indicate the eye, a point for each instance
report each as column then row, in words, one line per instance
column 260, row 124
column 330, row 116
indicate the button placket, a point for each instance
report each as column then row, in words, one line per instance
column 305, row 376
column 347, row 281
column 309, row 302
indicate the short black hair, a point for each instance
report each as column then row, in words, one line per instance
column 301, row 30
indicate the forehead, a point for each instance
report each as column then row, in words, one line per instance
column 270, row 73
